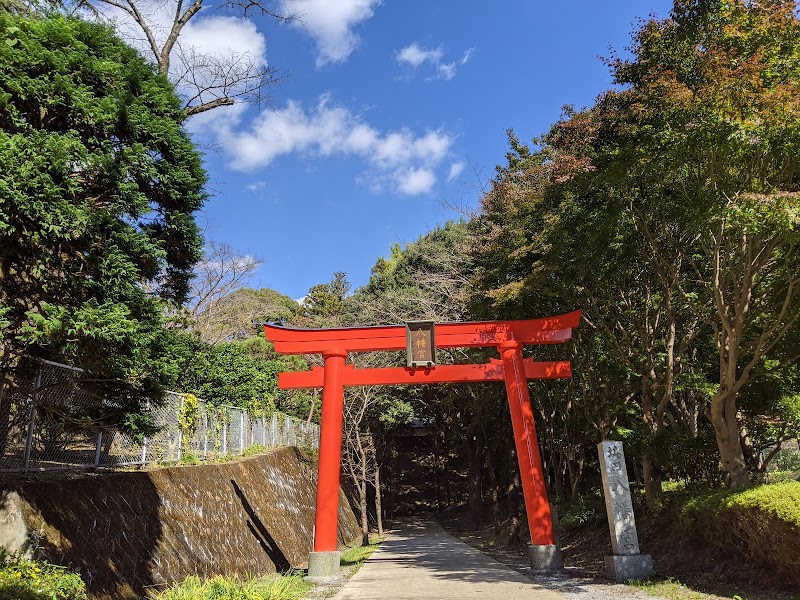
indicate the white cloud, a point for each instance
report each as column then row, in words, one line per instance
column 414, row 56
column 414, row 181
column 331, row 23
column 255, row 186
column 219, row 123
column 403, row 159
column 223, row 36
column 455, row 170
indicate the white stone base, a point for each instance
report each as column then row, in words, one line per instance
column 323, row 566
column 545, row 559
column 624, row 568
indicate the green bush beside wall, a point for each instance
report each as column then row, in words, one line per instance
column 762, row 523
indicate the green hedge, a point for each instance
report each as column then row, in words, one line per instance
column 762, row 524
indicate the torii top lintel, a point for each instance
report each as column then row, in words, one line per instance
column 549, row 330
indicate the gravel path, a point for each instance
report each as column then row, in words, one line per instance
column 574, row 587
column 573, row 583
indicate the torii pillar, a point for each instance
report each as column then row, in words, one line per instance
column 509, row 337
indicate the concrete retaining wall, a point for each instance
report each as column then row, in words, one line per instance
column 126, row 532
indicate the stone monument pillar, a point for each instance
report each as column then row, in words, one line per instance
column 626, row 562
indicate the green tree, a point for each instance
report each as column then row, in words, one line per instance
column 670, row 209
column 325, row 300
column 712, row 123
column 240, row 314
column 427, row 279
column 243, row 374
column 99, row 185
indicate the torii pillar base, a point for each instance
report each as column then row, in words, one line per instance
column 545, row 559
column 323, row 567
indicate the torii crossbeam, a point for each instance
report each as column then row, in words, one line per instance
column 508, row 337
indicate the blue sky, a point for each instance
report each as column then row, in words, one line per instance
column 392, row 111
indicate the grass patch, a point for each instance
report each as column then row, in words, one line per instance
column 358, row 554
column 276, row 587
column 36, row 580
column 672, row 589
column 188, row 458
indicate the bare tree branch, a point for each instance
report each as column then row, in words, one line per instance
column 206, row 81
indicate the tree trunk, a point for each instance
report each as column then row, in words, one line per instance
column 513, row 510
column 313, row 406
column 729, row 441
column 575, row 466
column 652, row 481
column 475, row 468
column 650, row 472
column 378, row 509
column 495, row 497
column 558, row 478
column 436, row 472
column 5, row 415
column 9, row 361
column 390, row 487
column 108, row 442
column 362, row 496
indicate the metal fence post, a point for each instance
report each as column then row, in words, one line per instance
column 144, row 440
column 289, row 425
column 99, row 447
column 32, row 421
column 225, row 422
column 205, row 431
column 180, row 428
column 241, row 433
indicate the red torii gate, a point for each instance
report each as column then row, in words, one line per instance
column 507, row 336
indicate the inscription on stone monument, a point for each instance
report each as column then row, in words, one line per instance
column 618, row 499
column 626, row 562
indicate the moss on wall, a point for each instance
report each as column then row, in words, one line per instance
column 127, row 532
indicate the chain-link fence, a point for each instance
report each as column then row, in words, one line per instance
column 35, row 439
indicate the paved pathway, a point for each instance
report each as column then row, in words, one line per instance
column 421, row 561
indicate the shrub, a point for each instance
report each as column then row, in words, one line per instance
column 587, row 508
column 35, row 580
column 188, row 420
column 189, row 458
column 255, row 449
column 762, row 523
